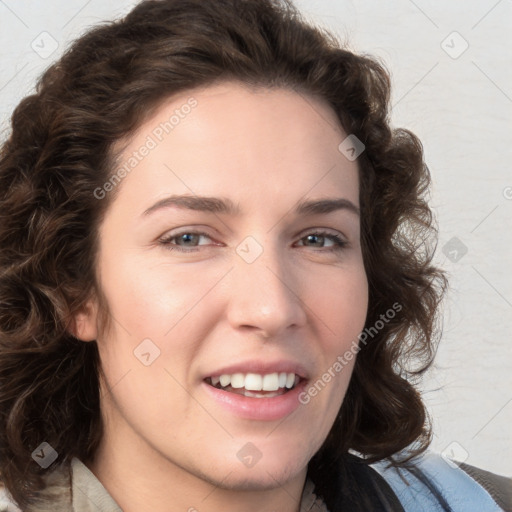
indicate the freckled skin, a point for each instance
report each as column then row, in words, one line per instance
column 167, row 443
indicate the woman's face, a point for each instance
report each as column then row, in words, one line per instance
column 231, row 253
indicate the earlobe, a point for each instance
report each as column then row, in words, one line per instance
column 84, row 325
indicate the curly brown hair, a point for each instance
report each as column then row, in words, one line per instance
column 60, row 151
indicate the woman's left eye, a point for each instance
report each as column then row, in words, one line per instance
column 323, row 240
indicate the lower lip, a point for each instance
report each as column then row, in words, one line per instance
column 263, row 409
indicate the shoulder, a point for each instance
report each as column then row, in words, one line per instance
column 429, row 480
column 6, row 503
column 54, row 497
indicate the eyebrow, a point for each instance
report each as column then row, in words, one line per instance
column 226, row 206
column 198, row 203
column 326, row 206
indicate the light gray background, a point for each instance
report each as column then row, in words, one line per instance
column 460, row 104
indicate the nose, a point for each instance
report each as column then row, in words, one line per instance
column 265, row 296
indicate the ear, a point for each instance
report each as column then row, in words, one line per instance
column 84, row 324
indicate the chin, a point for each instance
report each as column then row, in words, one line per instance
column 262, row 479
column 267, row 474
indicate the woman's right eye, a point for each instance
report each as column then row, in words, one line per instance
column 186, row 241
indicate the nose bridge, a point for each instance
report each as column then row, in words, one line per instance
column 264, row 292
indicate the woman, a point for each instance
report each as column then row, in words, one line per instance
column 216, row 281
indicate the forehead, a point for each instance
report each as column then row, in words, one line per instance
column 261, row 142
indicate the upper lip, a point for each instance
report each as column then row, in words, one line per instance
column 261, row 367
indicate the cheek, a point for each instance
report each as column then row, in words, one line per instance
column 341, row 305
column 154, row 299
column 166, row 305
column 339, row 309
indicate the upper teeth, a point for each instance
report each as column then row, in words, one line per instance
column 255, row 381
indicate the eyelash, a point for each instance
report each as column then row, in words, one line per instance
column 166, row 241
column 339, row 242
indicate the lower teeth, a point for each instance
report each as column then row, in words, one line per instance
column 253, row 394
column 268, row 394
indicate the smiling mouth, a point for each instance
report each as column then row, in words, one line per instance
column 255, row 385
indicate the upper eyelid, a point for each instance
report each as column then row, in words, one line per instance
column 327, row 231
column 186, row 232
column 172, row 233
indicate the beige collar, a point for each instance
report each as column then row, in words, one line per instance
column 89, row 495
column 310, row 501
